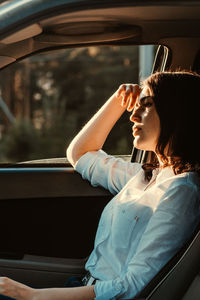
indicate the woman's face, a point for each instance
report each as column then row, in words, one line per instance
column 146, row 129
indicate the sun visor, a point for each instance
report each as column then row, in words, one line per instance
column 23, row 34
column 87, row 32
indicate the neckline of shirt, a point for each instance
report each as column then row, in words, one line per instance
column 160, row 174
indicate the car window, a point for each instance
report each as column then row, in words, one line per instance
column 45, row 99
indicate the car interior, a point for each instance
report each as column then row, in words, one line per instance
column 48, row 215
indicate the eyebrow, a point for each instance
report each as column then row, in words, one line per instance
column 141, row 100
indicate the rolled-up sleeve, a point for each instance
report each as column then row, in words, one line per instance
column 105, row 170
column 170, row 226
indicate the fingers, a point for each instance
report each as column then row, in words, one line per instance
column 8, row 287
column 129, row 94
column 14, row 289
column 4, row 285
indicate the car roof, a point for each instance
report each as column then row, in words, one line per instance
column 32, row 26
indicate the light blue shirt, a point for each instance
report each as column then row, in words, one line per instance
column 142, row 227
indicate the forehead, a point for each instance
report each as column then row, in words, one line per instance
column 146, row 91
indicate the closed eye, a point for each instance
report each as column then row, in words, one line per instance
column 145, row 102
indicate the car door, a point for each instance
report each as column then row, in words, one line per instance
column 47, row 230
column 49, row 215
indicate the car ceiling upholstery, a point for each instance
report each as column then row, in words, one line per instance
column 136, row 22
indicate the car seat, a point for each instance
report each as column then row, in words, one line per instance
column 174, row 279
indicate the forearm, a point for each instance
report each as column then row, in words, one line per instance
column 95, row 132
column 77, row 293
column 19, row 291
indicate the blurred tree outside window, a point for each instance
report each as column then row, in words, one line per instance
column 47, row 98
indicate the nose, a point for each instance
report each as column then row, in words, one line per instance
column 135, row 116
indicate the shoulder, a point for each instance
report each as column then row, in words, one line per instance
column 181, row 187
column 188, row 181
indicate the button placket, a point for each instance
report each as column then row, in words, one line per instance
column 153, row 179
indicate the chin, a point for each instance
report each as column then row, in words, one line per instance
column 141, row 146
column 138, row 146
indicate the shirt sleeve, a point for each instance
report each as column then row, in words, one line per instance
column 169, row 228
column 105, row 170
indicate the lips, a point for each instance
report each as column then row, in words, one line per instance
column 136, row 130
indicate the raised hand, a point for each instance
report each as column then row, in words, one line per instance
column 129, row 93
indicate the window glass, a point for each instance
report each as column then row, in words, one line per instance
column 46, row 99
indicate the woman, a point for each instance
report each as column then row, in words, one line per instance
column 156, row 206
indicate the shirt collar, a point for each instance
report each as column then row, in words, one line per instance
column 162, row 174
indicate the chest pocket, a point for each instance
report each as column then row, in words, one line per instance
column 124, row 224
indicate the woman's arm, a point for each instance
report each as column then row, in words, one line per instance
column 95, row 132
column 16, row 290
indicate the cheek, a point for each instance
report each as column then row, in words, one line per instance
column 155, row 121
column 153, row 127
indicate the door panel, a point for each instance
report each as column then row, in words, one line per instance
column 44, row 182
column 48, row 218
column 40, row 271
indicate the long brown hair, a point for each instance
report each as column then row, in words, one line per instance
column 177, row 96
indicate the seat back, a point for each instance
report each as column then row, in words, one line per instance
column 173, row 280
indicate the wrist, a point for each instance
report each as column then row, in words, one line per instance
column 118, row 106
column 28, row 294
column 33, row 294
column 117, row 99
